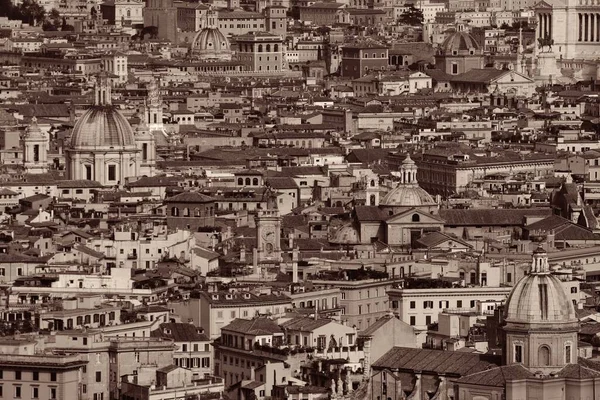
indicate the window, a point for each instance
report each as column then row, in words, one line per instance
column 112, row 172
column 413, row 304
column 574, row 289
column 568, row 354
column 17, row 392
column 53, row 376
column 508, row 277
column 36, row 376
column 35, row 392
column 17, row 375
column 413, row 320
column 454, row 69
column 458, row 303
column 518, row 353
column 98, row 376
column 428, row 320
column 88, row 172
column 52, row 393
column 428, row 304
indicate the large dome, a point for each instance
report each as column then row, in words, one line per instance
column 459, row 41
column 346, row 234
column 102, row 126
column 539, row 297
column 407, row 196
column 210, row 43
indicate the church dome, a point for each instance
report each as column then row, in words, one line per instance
column 102, row 126
column 407, row 196
column 539, row 297
column 346, row 234
column 459, row 41
column 210, row 43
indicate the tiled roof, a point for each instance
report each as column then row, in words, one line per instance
column 504, row 217
column 497, row 377
column 436, row 361
column 189, row 197
column 305, row 324
column 578, row 371
column 256, row 326
column 180, row 332
column 282, row 182
column 434, row 238
column 369, row 213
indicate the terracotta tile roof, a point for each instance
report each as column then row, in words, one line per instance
column 504, row 217
column 436, row 361
column 305, row 324
column 497, row 376
column 180, row 332
column 189, row 197
column 256, row 326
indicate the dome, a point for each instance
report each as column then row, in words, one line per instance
column 102, row 126
column 459, row 41
column 210, row 43
column 539, row 297
column 407, row 196
column 346, row 234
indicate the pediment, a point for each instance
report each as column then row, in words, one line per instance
column 542, row 5
column 409, row 216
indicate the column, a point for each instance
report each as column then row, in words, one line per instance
column 592, row 27
column 539, row 27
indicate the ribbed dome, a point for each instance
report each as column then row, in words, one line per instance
column 459, row 41
column 210, row 43
column 102, row 126
column 346, row 234
column 539, row 297
column 408, row 196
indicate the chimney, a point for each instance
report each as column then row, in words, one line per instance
column 255, row 261
column 295, row 265
column 243, row 254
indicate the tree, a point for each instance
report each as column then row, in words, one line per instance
column 411, row 16
column 32, row 12
column 149, row 30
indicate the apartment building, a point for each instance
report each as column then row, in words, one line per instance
column 421, row 307
column 362, row 301
column 212, row 311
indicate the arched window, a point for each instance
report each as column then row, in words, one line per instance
column 416, row 218
column 175, row 212
column 544, row 356
column 276, row 47
column 268, row 48
column 240, row 181
column 372, row 182
column 372, row 200
column 303, row 143
column 128, row 13
column 255, row 182
column 260, row 48
column 196, row 212
column 247, row 181
column 186, row 212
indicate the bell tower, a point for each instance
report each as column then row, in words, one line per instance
column 268, row 230
column 146, row 144
column 154, row 111
column 35, row 149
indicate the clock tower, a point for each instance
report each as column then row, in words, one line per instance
column 268, row 231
